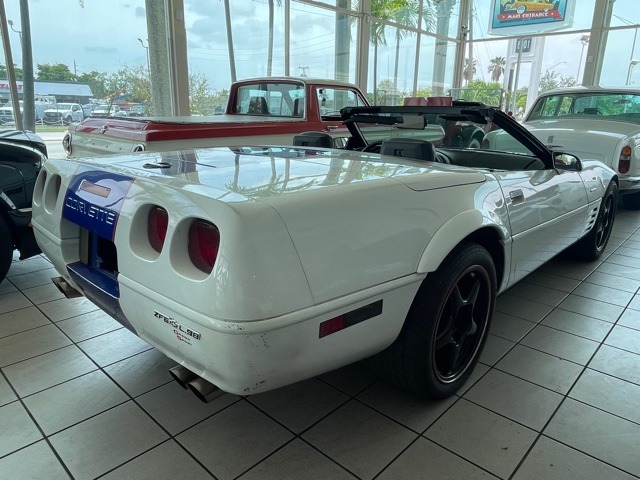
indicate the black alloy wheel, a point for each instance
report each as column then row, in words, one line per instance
column 461, row 324
column 446, row 327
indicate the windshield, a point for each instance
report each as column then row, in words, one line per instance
column 622, row 107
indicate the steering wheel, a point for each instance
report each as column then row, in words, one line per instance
column 373, row 147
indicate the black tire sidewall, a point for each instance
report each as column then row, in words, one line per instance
column 422, row 322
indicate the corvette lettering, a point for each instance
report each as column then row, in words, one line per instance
column 99, row 214
column 179, row 329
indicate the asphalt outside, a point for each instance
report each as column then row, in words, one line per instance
column 53, row 140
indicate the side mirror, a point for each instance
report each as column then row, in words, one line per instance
column 566, row 161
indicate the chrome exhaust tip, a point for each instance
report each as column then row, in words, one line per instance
column 204, row 390
column 66, row 289
column 182, row 375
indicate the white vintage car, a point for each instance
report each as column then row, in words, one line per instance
column 256, row 267
column 594, row 123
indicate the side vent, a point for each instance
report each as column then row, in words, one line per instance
column 591, row 220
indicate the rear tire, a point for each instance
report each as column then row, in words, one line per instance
column 6, row 249
column 446, row 328
column 592, row 245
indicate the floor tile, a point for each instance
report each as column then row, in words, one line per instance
column 17, row 430
column 300, row 405
column 30, row 265
column 67, row 308
column 6, row 394
column 167, row 460
column 408, row 410
column 565, row 346
column 351, row 379
column 43, row 293
column 537, row 293
column 482, row 437
column 6, row 286
column 234, row 440
column 608, row 393
column 106, row 441
column 630, row 318
column 578, row 324
column 624, row 260
column 619, row 270
column 624, row 338
column 550, row 460
column 21, row 321
column 12, row 301
column 143, row 372
column 360, row 439
column 294, row 461
column 523, row 308
column 596, row 433
column 516, row 399
column 88, row 325
column 618, row 363
column 604, row 294
column 177, row 409
column 71, row 402
column 592, row 308
column 35, row 462
column 31, row 343
column 494, row 349
column 425, row 456
column 478, row 372
column 47, row 370
column 614, row 281
column 568, row 268
column 34, row 279
column 635, row 303
column 113, row 346
column 510, row 327
column 540, row 368
column 557, row 282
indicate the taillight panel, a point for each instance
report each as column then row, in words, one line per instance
column 157, row 225
column 624, row 162
column 203, row 245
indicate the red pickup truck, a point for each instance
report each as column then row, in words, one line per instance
column 263, row 111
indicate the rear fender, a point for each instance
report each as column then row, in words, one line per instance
column 457, row 229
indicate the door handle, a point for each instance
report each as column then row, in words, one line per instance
column 516, row 196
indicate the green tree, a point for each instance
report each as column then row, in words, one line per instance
column 551, row 79
column 58, row 72
column 17, row 72
column 203, row 100
column 96, row 82
column 489, row 93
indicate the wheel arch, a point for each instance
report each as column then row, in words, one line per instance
column 482, row 228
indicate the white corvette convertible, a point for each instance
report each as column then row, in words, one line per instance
column 257, row 267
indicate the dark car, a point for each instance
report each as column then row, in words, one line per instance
column 21, row 156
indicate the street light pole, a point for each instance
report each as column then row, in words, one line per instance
column 632, row 64
column 10, row 22
column 146, row 47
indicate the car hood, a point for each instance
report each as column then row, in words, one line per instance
column 241, row 174
column 587, row 138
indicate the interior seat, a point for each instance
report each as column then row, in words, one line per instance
column 412, row 148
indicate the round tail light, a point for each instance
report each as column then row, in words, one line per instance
column 204, row 242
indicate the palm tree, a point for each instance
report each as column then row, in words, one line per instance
column 469, row 73
column 405, row 13
column 496, row 68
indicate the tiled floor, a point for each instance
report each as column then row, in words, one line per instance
column 556, row 396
